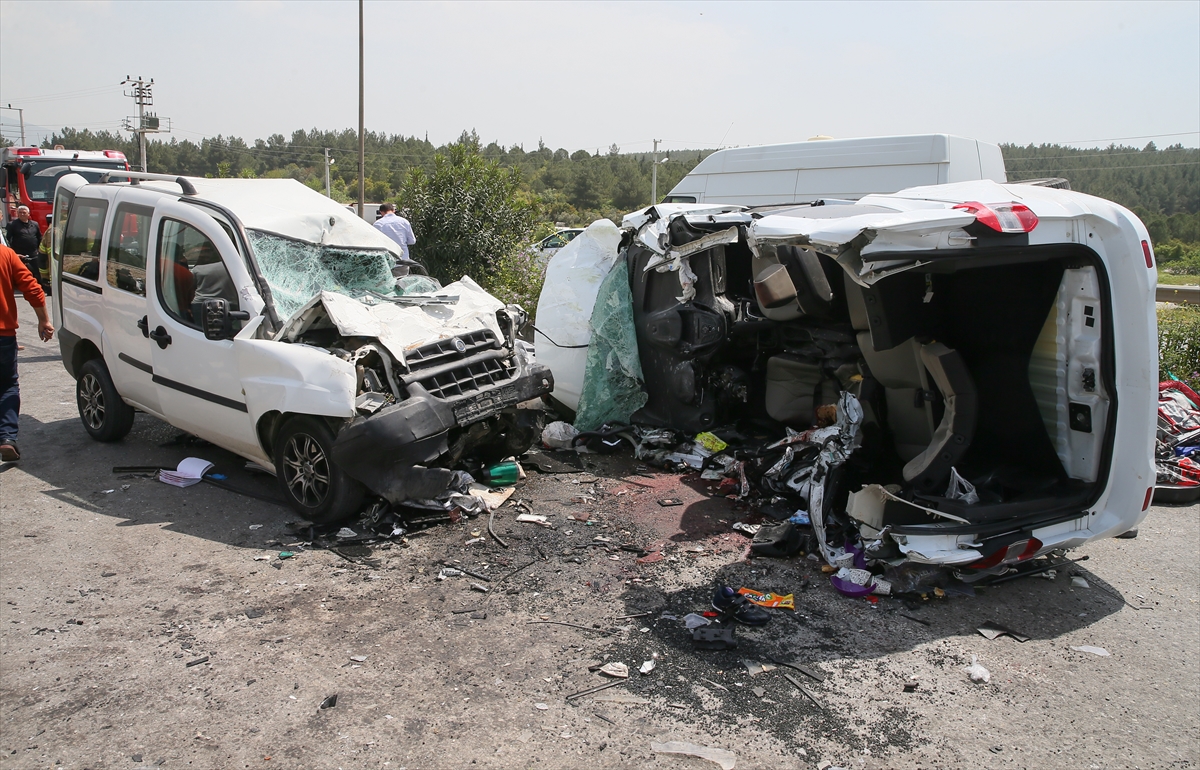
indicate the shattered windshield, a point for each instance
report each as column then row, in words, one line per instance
column 297, row 271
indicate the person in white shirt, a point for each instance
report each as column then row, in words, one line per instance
column 396, row 227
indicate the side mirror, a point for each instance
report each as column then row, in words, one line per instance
column 216, row 319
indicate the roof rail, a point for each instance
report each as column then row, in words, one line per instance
column 183, row 182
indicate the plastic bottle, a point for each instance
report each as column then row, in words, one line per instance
column 502, row 474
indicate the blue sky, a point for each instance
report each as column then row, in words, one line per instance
column 587, row 75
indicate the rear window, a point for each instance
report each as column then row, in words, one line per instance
column 81, row 245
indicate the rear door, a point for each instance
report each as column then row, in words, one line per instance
column 80, row 291
column 199, row 387
column 126, row 332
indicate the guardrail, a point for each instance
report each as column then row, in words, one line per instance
column 1180, row 295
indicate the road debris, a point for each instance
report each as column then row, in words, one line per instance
column 198, row 661
column 992, row 630
column 329, row 702
column 619, row 670
column 726, row 759
column 977, row 673
column 803, row 689
column 1100, row 651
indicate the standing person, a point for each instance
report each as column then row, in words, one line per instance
column 24, row 237
column 44, row 249
column 15, row 275
column 397, row 228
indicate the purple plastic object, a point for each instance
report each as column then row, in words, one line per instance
column 859, row 561
column 846, row 588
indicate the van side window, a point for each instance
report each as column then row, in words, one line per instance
column 81, row 246
column 127, row 248
column 62, row 210
column 190, row 271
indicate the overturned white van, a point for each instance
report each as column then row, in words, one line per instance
column 1002, row 335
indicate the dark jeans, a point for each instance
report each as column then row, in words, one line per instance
column 10, row 392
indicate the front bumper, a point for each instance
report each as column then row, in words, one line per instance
column 380, row 450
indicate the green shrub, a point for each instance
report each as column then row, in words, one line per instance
column 1179, row 344
column 471, row 218
column 1178, row 258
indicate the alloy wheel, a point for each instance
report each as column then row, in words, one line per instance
column 306, row 470
column 91, row 401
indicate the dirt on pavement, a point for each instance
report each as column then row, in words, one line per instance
column 148, row 626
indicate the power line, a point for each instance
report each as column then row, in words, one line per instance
column 1117, row 168
column 1124, row 138
column 64, row 95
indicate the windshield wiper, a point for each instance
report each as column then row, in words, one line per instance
column 416, row 300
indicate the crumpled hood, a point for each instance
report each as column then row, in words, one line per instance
column 401, row 327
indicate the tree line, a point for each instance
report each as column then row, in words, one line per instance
column 544, row 185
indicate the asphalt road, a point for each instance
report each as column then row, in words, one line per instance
column 148, row 626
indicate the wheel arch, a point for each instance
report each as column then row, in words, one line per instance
column 271, row 422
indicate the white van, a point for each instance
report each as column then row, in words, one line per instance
column 844, row 169
column 998, row 334
column 264, row 317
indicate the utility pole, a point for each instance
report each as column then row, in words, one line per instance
column 654, row 174
column 143, row 95
column 362, row 136
column 21, row 113
column 328, row 162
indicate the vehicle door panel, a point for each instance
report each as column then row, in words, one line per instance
column 80, row 291
column 127, row 344
column 64, row 197
column 199, row 387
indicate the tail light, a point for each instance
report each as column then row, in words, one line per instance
column 1002, row 217
column 27, row 151
column 114, row 154
column 1019, row 550
column 1150, row 491
column 1148, row 254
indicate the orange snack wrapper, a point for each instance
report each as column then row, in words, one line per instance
column 769, row 600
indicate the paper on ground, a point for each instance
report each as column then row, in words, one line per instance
column 189, row 472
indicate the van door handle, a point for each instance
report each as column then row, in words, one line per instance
column 144, row 326
column 160, row 336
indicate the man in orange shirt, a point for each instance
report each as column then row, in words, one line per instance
column 15, row 275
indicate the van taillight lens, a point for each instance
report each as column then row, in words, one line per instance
column 114, row 154
column 1150, row 491
column 1147, row 253
column 1002, row 217
column 27, row 151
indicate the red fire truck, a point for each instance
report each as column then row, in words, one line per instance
column 30, row 174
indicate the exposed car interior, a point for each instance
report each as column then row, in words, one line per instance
column 960, row 363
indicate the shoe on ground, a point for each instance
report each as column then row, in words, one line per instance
column 9, row 452
column 732, row 604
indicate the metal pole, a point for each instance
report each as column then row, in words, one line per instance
column 142, row 128
column 21, row 113
column 327, row 193
column 654, row 176
column 362, row 136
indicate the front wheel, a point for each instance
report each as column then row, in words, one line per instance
column 311, row 481
column 105, row 416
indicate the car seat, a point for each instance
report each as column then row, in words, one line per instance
column 928, row 472
column 789, row 283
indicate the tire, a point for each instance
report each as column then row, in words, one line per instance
column 312, row 482
column 105, row 416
